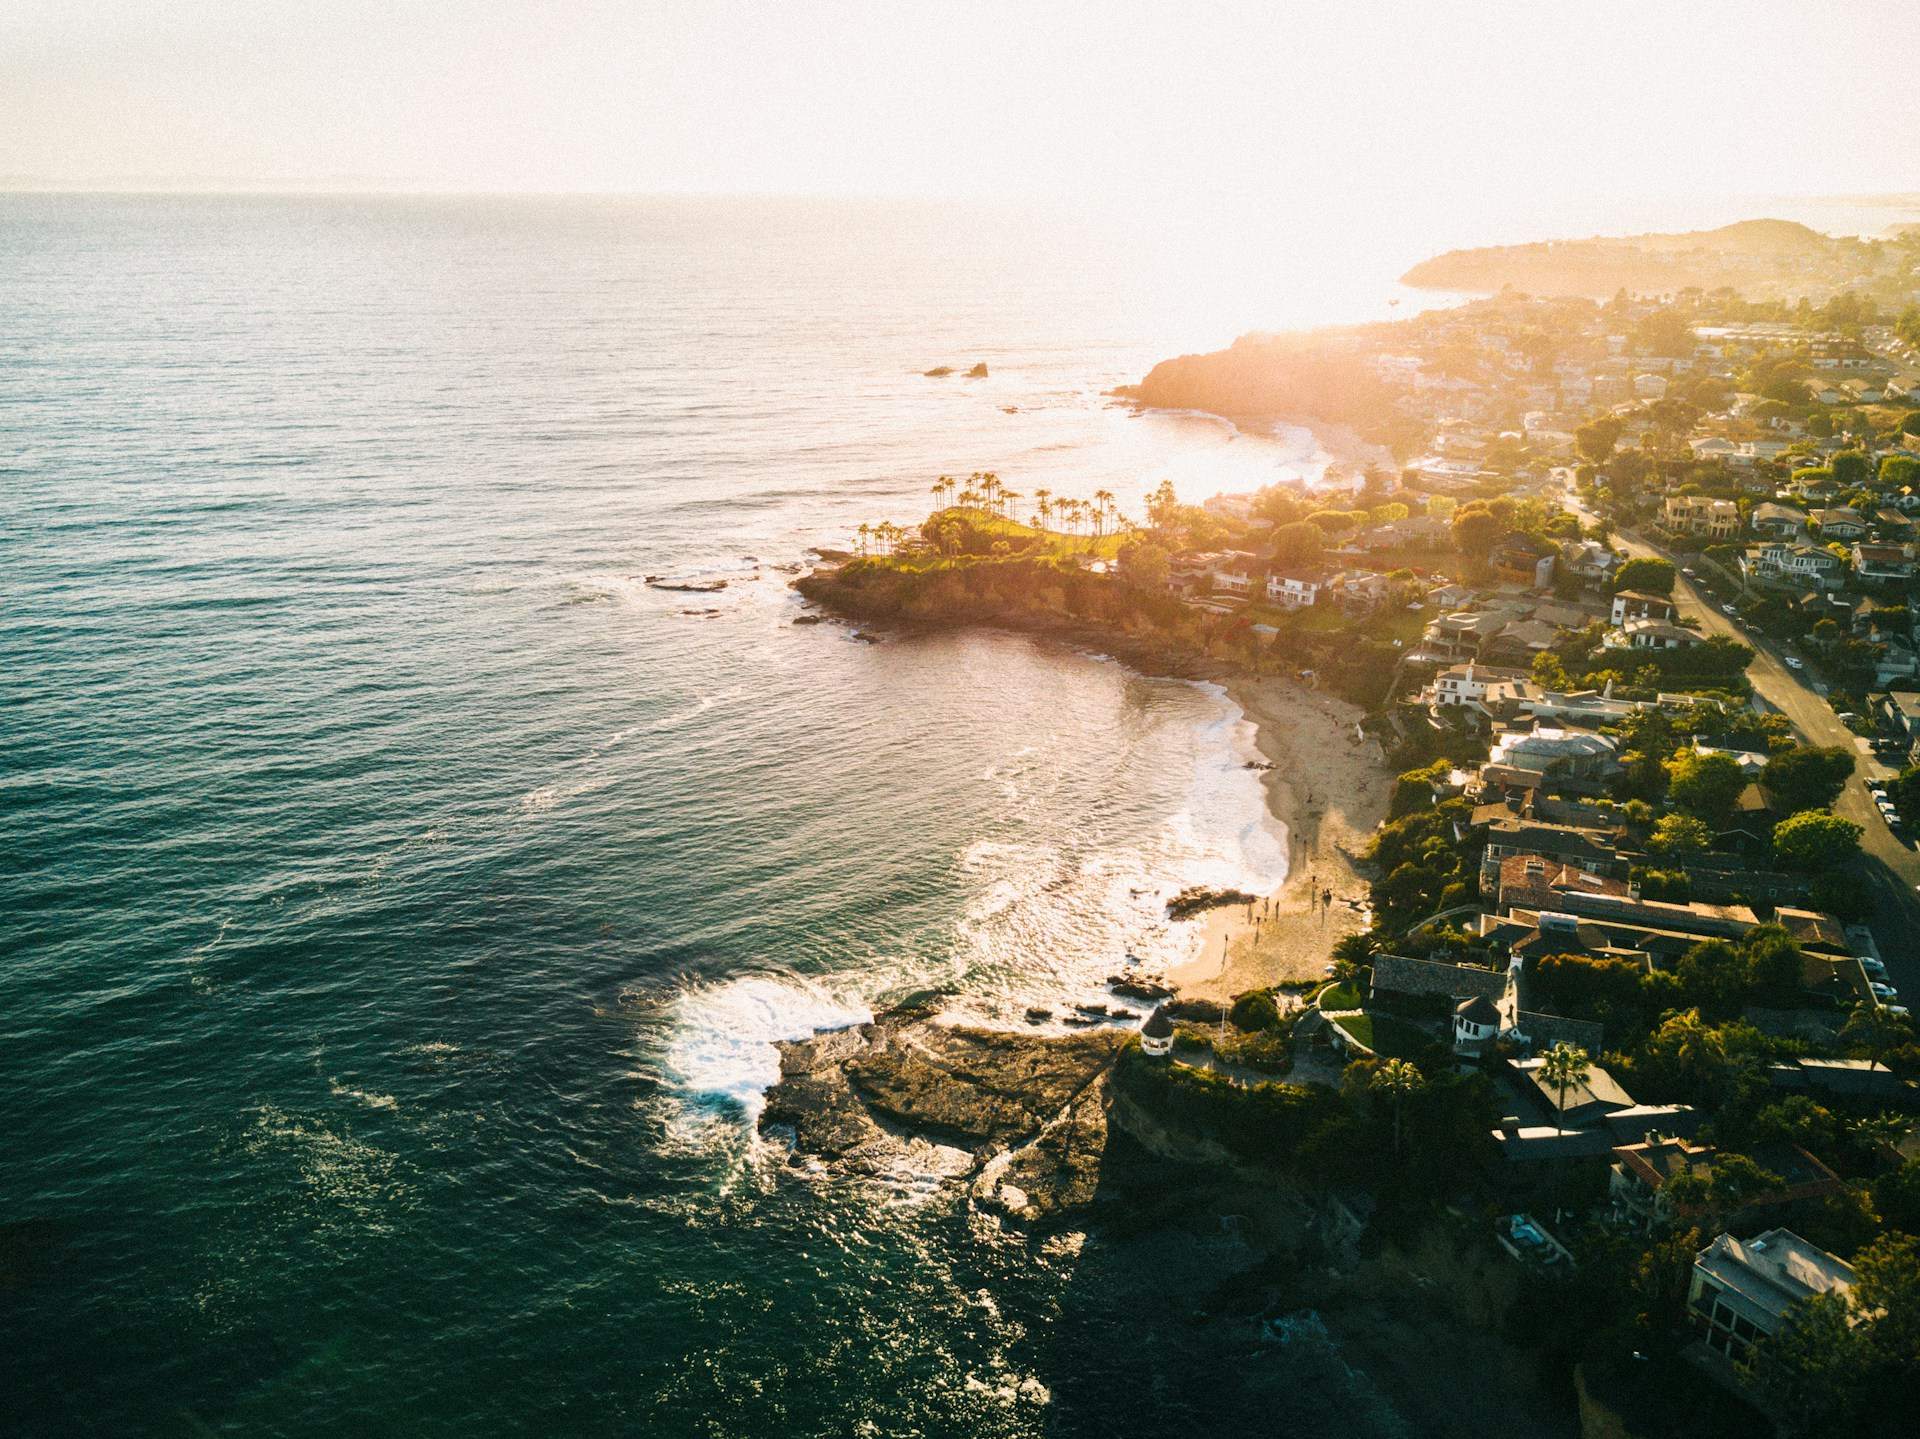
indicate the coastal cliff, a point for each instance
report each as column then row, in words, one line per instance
column 1194, row 1211
column 1326, row 375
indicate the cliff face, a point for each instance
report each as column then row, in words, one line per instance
column 1323, row 377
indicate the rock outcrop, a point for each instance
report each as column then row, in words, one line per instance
column 1201, row 897
column 1028, row 1111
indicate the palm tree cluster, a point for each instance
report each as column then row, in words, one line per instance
column 882, row 538
column 984, row 490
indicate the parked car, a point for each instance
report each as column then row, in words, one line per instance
column 1875, row 967
column 1882, row 991
column 1728, row 610
column 1794, row 664
column 1878, row 786
column 1898, row 1011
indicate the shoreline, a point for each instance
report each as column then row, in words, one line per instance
column 1330, row 790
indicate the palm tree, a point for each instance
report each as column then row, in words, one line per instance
column 865, row 532
column 1043, row 505
column 1399, row 1080
column 1007, row 498
column 1103, row 506
column 1876, row 1029
column 969, row 497
column 940, row 491
column 1564, row 1066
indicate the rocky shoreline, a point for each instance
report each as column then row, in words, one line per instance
column 1019, row 1119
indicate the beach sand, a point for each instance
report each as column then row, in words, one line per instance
column 1330, row 789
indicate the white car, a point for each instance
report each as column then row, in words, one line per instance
column 1794, row 664
column 1883, row 991
column 1875, row 967
column 1898, row 1011
column 1728, row 610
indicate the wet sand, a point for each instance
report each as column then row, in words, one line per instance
column 1330, row 788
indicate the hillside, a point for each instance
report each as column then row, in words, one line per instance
column 1759, row 258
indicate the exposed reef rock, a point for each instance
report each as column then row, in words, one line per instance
column 1028, row 1111
column 1197, row 898
column 978, row 372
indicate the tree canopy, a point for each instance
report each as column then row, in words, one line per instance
column 1815, row 841
column 1649, row 575
column 1704, row 785
column 1806, row 777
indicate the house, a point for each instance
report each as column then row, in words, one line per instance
column 1563, row 753
column 1779, row 521
column 1531, row 881
column 1588, row 561
column 1840, row 524
column 1462, row 684
column 1750, row 760
column 1652, row 634
column 1743, row 1290
column 1584, row 1102
column 1233, row 572
column 1524, row 557
column 1649, row 387
column 1640, row 605
column 1360, row 591
column 1782, row 562
column 1476, row 1024
column 1895, row 662
column 1637, row 1185
column 1291, row 592
column 1695, row 918
column 1701, row 515
column 1883, row 562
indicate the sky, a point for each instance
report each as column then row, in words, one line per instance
column 1192, row 108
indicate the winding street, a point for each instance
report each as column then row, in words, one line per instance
column 1890, row 866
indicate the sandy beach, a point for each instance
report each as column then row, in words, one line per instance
column 1330, row 788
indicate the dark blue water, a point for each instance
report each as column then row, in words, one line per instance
column 399, row 898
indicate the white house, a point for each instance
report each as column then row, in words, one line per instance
column 1476, row 1024
column 1640, row 605
column 1652, row 634
column 1463, row 684
column 1291, row 593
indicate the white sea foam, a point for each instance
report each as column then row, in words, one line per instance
column 724, row 1034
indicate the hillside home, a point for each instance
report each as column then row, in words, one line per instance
column 1779, row 521
column 1652, row 634
column 1883, row 562
column 1840, row 523
column 1292, row 592
column 1743, row 1290
column 1640, row 605
column 1701, row 515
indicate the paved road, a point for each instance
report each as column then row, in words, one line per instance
column 1891, row 867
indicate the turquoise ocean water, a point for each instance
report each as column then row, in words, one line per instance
column 399, row 899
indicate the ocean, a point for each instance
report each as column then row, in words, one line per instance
column 401, row 898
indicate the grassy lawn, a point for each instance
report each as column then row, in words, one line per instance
column 1386, row 1036
column 1340, row 996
